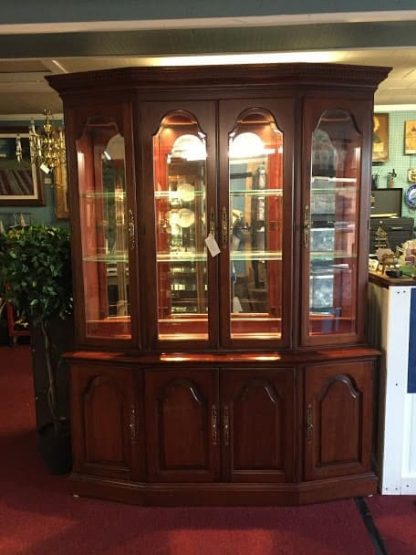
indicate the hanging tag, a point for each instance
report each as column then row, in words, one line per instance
column 212, row 245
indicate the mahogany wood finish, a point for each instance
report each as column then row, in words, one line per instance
column 214, row 419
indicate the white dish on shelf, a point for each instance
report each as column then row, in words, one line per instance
column 186, row 192
column 186, row 217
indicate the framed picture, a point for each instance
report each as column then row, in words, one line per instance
column 20, row 182
column 380, row 138
column 410, row 137
column 60, row 182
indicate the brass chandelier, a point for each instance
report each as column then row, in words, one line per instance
column 47, row 145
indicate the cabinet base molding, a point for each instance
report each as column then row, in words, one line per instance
column 223, row 494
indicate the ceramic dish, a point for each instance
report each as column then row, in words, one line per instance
column 185, row 217
column 186, row 192
column 410, row 196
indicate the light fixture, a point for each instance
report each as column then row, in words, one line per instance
column 47, row 145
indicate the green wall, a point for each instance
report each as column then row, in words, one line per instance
column 35, row 214
column 397, row 160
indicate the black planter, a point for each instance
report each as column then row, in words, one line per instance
column 55, row 449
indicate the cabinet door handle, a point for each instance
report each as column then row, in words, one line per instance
column 309, row 423
column 131, row 228
column 226, row 425
column 132, row 424
column 214, row 428
column 306, row 225
column 224, row 228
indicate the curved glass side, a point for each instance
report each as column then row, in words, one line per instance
column 331, row 224
column 103, row 212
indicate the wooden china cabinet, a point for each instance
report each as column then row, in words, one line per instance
column 219, row 223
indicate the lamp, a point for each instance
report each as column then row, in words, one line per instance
column 47, row 145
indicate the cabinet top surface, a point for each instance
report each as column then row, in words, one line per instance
column 247, row 358
column 385, row 281
column 225, row 75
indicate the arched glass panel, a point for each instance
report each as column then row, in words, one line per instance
column 255, row 212
column 331, row 224
column 179, row 151
column 103, row 209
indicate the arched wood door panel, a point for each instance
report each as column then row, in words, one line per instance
column 257, row 422
column 181, row 425
column 105, row 429
column 338, row 419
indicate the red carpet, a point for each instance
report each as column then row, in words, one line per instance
column 395, row 518
column 38, row 516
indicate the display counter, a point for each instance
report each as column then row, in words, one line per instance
column 392, row 328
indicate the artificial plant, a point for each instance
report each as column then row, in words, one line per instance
column 35, row 276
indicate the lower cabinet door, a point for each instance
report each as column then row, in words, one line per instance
column 258, row 421
column 338, row 419
column 182, row 417
column 105, row 421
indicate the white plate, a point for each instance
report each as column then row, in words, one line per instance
column 186, row 217
column 186, row 192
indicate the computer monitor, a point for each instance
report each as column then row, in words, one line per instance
column 386, row 202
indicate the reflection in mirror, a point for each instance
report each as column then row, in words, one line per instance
column 255, row 211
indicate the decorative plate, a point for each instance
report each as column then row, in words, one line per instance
column 410, row 196
column 186, row 192
column 185, row 217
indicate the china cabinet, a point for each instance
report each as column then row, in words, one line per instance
column 220, row 227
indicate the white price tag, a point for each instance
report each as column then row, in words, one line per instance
column 212, row 245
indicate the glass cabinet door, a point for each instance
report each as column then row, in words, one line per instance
column 104, row 231
column 180, row 201
column 252, row 213
column 330, row 226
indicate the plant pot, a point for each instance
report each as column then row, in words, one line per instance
column 55, row 449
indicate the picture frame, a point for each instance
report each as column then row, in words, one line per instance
column 380, row 151
column 410, row 137
column 20, row 182
column 60, row 182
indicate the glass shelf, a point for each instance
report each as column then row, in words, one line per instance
column 108, row 258
column 333, row 190
column 257, row 192
column 121, row 195
column 321, row 178
column 178, row 196
column 182, row 257
column 255, row 255
column 330, row 255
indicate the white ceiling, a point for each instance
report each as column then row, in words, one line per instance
column 29, row 52
column 24, row 90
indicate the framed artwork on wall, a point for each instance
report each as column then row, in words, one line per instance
column 380, row 138
column 410, row 137
column 20, row 182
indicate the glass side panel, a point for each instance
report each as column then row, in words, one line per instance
column 255, row 212
column 105, row 263
column 179, row 151
column 331, row 224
